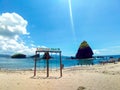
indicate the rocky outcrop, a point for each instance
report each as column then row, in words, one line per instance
column 46, row 55
column 84, row 51
column 18, row 56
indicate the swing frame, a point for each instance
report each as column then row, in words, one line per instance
column 49, row 50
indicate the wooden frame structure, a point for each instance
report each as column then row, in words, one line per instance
column 51, row 50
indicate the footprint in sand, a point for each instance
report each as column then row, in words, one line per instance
column 81, row 88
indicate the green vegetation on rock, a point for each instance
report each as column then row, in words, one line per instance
column 84, row 44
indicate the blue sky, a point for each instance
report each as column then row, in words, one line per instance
column 51, row 23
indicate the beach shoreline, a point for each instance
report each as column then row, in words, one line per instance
column 96, row 77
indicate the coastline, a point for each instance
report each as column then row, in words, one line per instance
column 96, row 77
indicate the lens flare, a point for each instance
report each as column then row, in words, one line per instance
column 71, row 19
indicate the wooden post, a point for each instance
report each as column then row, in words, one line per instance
column 35, row 63
column 47, row 64
column 47, row 68
column 60, row 66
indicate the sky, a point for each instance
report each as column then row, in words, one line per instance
column 28, row 24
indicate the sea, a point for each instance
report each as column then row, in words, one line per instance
column 8, row 63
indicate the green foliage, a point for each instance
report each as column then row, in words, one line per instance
column 84, row 44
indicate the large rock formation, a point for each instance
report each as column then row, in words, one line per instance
column 84, row 51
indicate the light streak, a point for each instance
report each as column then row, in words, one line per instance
column 71, row 20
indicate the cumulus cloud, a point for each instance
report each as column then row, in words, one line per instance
column 12, row 26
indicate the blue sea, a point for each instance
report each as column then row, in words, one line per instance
column 7, row 63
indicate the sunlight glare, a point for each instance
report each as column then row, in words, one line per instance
column 71, row 19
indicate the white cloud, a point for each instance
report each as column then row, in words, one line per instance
column 12, row 26
column 96, row 51
column 114, row 50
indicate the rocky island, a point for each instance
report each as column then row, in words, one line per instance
column 18, row 56
column 46, row 56
column 84, row 51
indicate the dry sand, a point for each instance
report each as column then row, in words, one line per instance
column 97, row 77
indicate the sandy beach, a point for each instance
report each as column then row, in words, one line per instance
column 97, row 77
